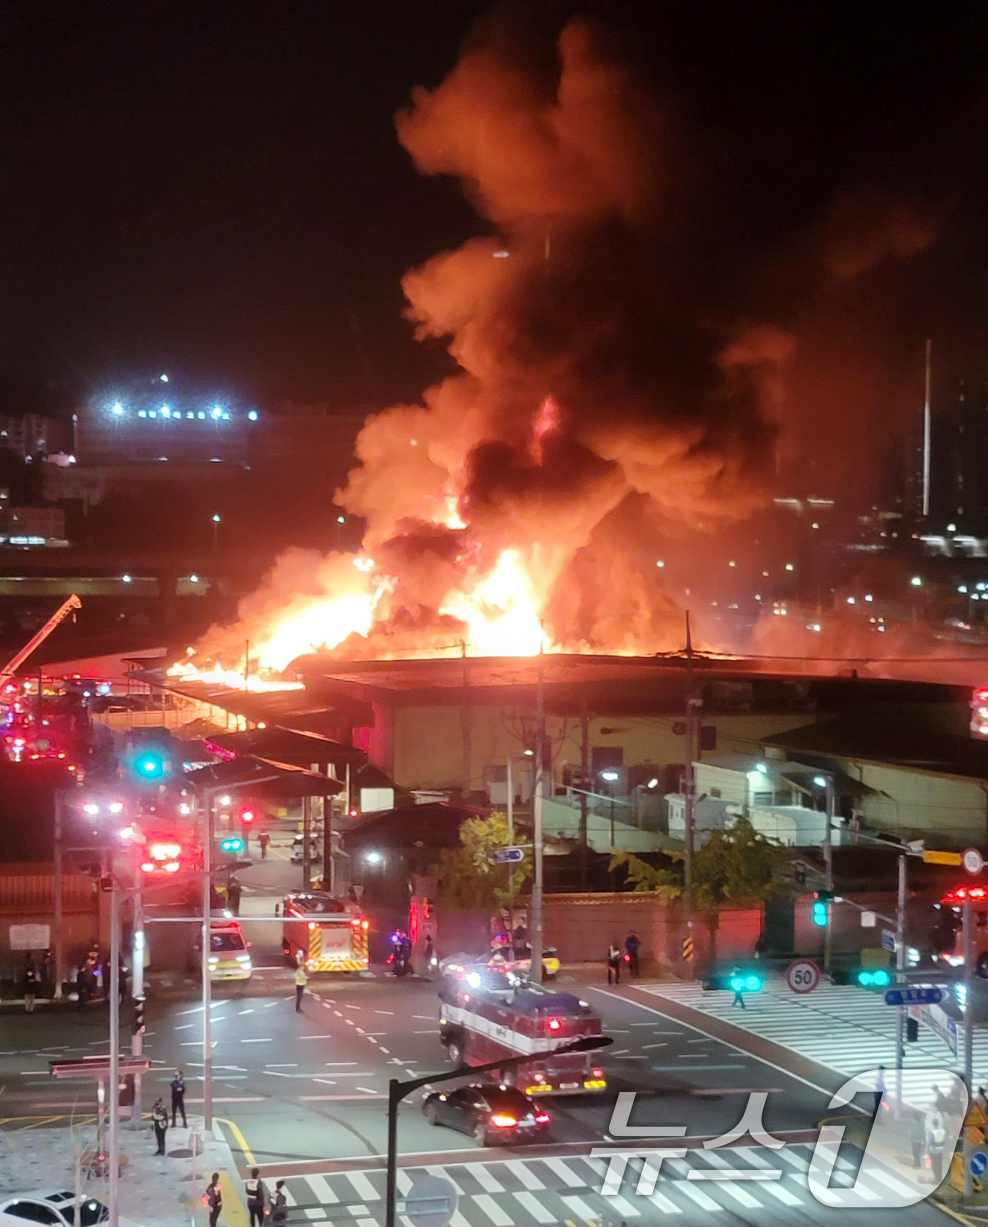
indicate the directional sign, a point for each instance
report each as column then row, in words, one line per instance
column 973, row 861
column 803, row 976
column 431, row 1201
column 979, row 1161
column 506, row 856
column 913, row 996
column 888, row 940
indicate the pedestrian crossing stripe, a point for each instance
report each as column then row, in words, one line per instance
column 513, row 1192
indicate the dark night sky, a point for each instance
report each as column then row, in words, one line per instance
column 218, row 187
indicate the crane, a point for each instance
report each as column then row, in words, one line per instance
column 15, row 662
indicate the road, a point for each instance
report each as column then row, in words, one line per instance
column 303, row 1097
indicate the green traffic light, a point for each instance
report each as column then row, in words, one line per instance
column 820, row 915
column 874, row 979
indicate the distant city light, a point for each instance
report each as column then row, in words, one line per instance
column 660, row 563
column 163, row 378
column 373, row 858
column 501, row 254
column 963, row 589
column 341, row 519
column 251, row 415
column 217, row 411
column 217, row 518
column 790, row 567
column 850, row 600
column 819, row 781
column 869, row 597
column 916, row 581
column 117, row 409
column 193, row 579
column 126, row 579
column 609, row 775
column 732, row 563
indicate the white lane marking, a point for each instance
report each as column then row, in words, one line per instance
column 183, row 1026
column 404, row 1182
column 327, row 1098
column 533, row 1206
column 664, row 1204
column 623, row 1206
column 493, row 1211
column 321, row 1187
column 367, row 1090
column 520, row 1169
column 563, row 1172
column 663, row 1044
column 424, row 1017
column 390, row 1013
column 328, row 1063
column 270, row 1004
column 578, row 1208
column 441, row 1171
column 282, row 1065
column 196, row 1009
column 250, row 1011
column 363, row 1186
column 386, row 1051
column 485, row 1179
column 268, row 1040
column 315, row 1037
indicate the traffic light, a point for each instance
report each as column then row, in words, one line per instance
column 247, row 816
column 877, row 978
column 821, row 899
column 150, row 765
column 740, row 981
column 137, row 1025
column 232, row 844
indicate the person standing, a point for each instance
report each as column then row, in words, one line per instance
column 428, row 958
column 233, row 896
column 613, row 964
column 301, row 980
column 254, row 1188
column 159, row 1119
column 279, row 1206
column 30, row 983
column 879, row 1089
column 737, row 984
column 936, row 1140
column 214, row 1199
column 916, row 1135
column 264, row 839
column 47, row 974
column 632, row 943
column 178, row 1098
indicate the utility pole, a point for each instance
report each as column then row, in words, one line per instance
column 535, row 920
column 137, row 988
column 207, row 903
column 968, row 933
column 58, row 887
column 306, row 843
column 828, row 871
column 114, row 1004
column 689, row 787
column 584, row 799
column 900, row 968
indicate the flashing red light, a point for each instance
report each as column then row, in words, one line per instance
column 247, row 816
column 355, row 923
column 554, row 1024
column 977, row 894
column 148, row 866
column 353, row 813
column 596, row 1073
column 165, row 852
column 981, row 696
column 538, row 1077
column 542, row 1118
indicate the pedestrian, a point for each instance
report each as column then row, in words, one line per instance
column 178, row 1098
column 233, row 896
column 760, row 947
column 255, row 1197
column 264, row 839
column 213, row 1198
column 159, row 1119
column 428, row 958
column 279, row 1205
column 737, row 984
column 47, row 973
column 613, row 964
column 30, row 983
column 936, row 1140
column 981, row 1099
column 301, row 980
column 879, row 1090
column 917, row 1134
column 632, row 944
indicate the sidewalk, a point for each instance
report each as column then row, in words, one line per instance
column 155, row 1191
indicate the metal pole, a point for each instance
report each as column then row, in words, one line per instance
column 137, row 990
column 535, row 920
column 58, row 887
column 306, row 849
column 584, row 799
column 113, row 988
column 900, row 967
column 511, row 804
column 828, row 871
column 968, row 932
column 207, row 1032
column 689, row 788
column 391, row 1188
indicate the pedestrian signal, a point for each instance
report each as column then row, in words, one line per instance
column 821, row 898
column 137, row 1026
column 879, row 978
column 232, row 844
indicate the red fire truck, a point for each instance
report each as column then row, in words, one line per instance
column 324, row 934
column 947, row 936
column 479, row 1025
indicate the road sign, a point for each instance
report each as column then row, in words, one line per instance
column 975, row 1115
column 431, row 1201
column 972, row 860
column 979, row 1161
column 888, row 940
column 803, row 976
column 933, row 857
column 913, row 996
column 506, row 856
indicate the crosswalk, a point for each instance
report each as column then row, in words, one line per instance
column 567, row 1190
column 840, row 1027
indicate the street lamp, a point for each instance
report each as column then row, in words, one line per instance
column 398, row 1090
column 217, row 521
column 826, row 781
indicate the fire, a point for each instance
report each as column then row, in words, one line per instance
column 500, row 612
column 546, row 423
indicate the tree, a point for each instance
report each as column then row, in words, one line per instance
column 467, row 877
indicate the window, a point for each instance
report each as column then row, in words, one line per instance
column 226, row 941
column 91, row 1213
column 33, row 1212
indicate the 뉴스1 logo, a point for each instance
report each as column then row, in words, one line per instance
column 875, row 1185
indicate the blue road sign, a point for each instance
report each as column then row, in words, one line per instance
column 979, row 1162
column 505, row 856
column 914, row 996
column 888, row 940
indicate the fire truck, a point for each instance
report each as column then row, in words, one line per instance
column 479, row 1025
column 324, row 934
column 947, row 936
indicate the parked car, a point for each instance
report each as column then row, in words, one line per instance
column 493, row 1115
column 53, row 1209
column 517, row 959
column 298, row 850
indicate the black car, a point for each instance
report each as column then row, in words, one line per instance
column 493, row 1115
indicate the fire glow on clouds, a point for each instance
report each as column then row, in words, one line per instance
column 520, row 503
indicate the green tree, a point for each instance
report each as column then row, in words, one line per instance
column 467, row 877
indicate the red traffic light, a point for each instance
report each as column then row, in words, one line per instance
column 955, row 897
column 247, row 816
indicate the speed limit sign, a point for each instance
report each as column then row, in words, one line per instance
column 803, row 976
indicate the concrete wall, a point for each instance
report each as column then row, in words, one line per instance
column 27, row 896
column 423, row 747
column 602, row 835
column 920, row 804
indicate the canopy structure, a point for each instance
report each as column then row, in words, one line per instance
column 286, row 745
column 268, row 777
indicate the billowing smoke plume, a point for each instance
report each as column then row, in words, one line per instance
column 596, row 402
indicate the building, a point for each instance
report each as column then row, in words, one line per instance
column 31, row 434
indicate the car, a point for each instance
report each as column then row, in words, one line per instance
column 53, row 1210
column 503, row 959
column 492, row 1114
column 298, row 850
column 228, row 957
